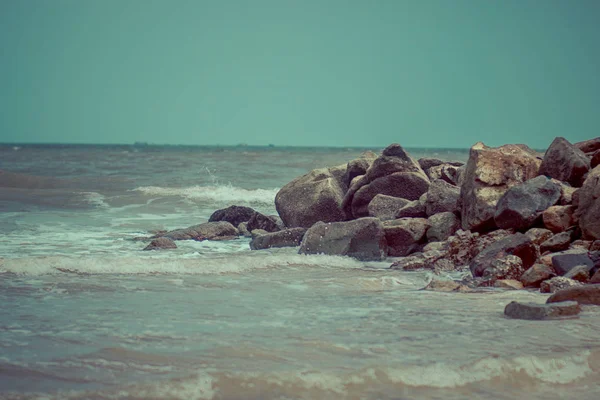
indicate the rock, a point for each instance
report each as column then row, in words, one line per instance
column 585, row 294
column 445, row 172
column 393, row 159
column 581, row 244
column 443, row 265
column 565, row 261
column 385, row 207
column 442, row 226
column 406, row 185
column 358, row 167
column 418, row 261
column 535, row 311
column 538, row 235
column 427, row 162
column 589, row 146
column 363, row 239
column 439, row 285
column 316, row 196
column 205, row 231
column 566, row 194
column 243, row 229
column 518, row 244
column 595, row 160
column 595, row 245
column 489, row 173
column 260, row 221
column 435, row 246
column 565, row 162
column 558, row 242
column 235, row 215
column 285, row 238
column 511, row 284
column 535, row 275
column 559, row 218
column 521, row 206
column 507, row 267
column 414, row 209
column 596, row 277
column 580, row 273
column 259, row 232
column 441, row 197
column 588, row 210
column 556, row 284
column 405, row 235
column 161, row 243
column 278, row 221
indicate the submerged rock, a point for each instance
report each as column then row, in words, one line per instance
column 161, row 243
column 535, row 311
column 286, row 238
column 205, row 231
column 583, row 294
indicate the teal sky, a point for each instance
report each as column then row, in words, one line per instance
column 444, row 73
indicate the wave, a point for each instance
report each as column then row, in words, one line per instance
column 219, row 194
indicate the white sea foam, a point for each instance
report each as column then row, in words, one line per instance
column 218, row 194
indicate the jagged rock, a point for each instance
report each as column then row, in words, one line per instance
column 566, row 193
column 535, row 275
column 442, row 226
column 414, row 209
column 446, row 172
column 507, row 267
column 582, row 294
column 558, row 242
column 316, row 196
column 539, row 235
column 565, row 261
column 588, row 210
column 441, row 197
column 556, row 284
column 439, row 285
column 511, row 284
column 161, row 243
column 405, row 235
column 418, row 261
column 235, row 215
column 285, row 238
column 385, row 207
column 363, row 239
column 589, row 146
column 535, row 311
column 489, row 173
column 518, row 244
column 521, row 206
column 205, row 231
column 559, row 218
column 358, row 167
column 565, row 162
column 579, row 273
column 260, row 221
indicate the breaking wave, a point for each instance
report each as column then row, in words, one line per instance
column 218, row 194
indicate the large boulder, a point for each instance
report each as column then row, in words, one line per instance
column 442, row 197
column 521, row 206
column 205, row 231
column 363, row 239
column 559, row 218
column 586, row 294
column 442, row 226
column 589, row 146
column 535, row 311
column 405, row 235
column 489, row 173
column 316, row 196
column 285, row 238
column 518, row 244
column 235, row 215
column 565, row 162
column 588, row 210
column 385, row 207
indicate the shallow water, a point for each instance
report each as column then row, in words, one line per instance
column 86, row 314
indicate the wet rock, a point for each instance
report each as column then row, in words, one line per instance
column 521, row 206
column 559, row 218
column 595, row 245
column 260, row 221
column 539, row 235
column 385, row 207
column 508, row 267
column 535, row 311
column 442, row 226
column 558, row 242
column 535, row 275
column 588, row 210
column 589, row 146
column 161, row 243
column 510, row 284
column 489, row 173
column 439, row 285
column 556, row 284
column 363, row 239
column 243, row 229
column 580, row 273
column 316, row 196
column 414, row 209
column 565, row 162
column 286, row 238
column 583, row 294
column 235, row 215
column 441, row 197
column 518, row 244
column 205, row 231
column 405, row 235
column 565, row 261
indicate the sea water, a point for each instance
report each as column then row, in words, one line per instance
column 86, row 314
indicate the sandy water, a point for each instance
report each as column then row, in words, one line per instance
column 86, row 314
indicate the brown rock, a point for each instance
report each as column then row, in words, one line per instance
column 565, row 162
column 589, row 146
column 235, row 215
column 559, row 218
column 405, row 235
column 417, row 261
column 445, row 172
column 517, row 244
column 161, row 243
column 535, row 275
column 511, row 284
column 581, row 244
column 596, row 277
column 583, row 294
column 243, row 229
column 414, row 209
column 595, row 160
column 205, row 231
column 534, row 311
column 579, row 273
column 556, row 284
column 566, row 194
column 588, row 210
column 260, row 221
column 558, row 242
column 385, row 207
column 539, row 235
column 508, row 267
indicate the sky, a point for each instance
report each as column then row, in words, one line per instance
column 422, row 73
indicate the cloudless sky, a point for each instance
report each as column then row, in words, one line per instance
column 433, row 73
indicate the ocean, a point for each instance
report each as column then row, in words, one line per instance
column 86, row 314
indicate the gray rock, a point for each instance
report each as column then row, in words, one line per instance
column 414, row 209
column 565, row 162
column 518, row 244
column 205, row 231
column 565, row 261
column 535, row 311
column 580, row 273
column 445, row 172
column 558, row 242
column 243, row 229
column 363, row 239
column 510, row 284
column 556, row 284
column 358, row 167
column 442, row 226
column 161, row 243
column 583, row 294
column 418, row 261
column 535, row 275
column 595, row 160
column 235, row 215
column 286, row 238
column 385, row 207
column 521, row 206
column 405, row 235
column 442, row 197
column 489, row 173
column 260, row 221
column 393, row 159
column 559, row 218
column 588, row 210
